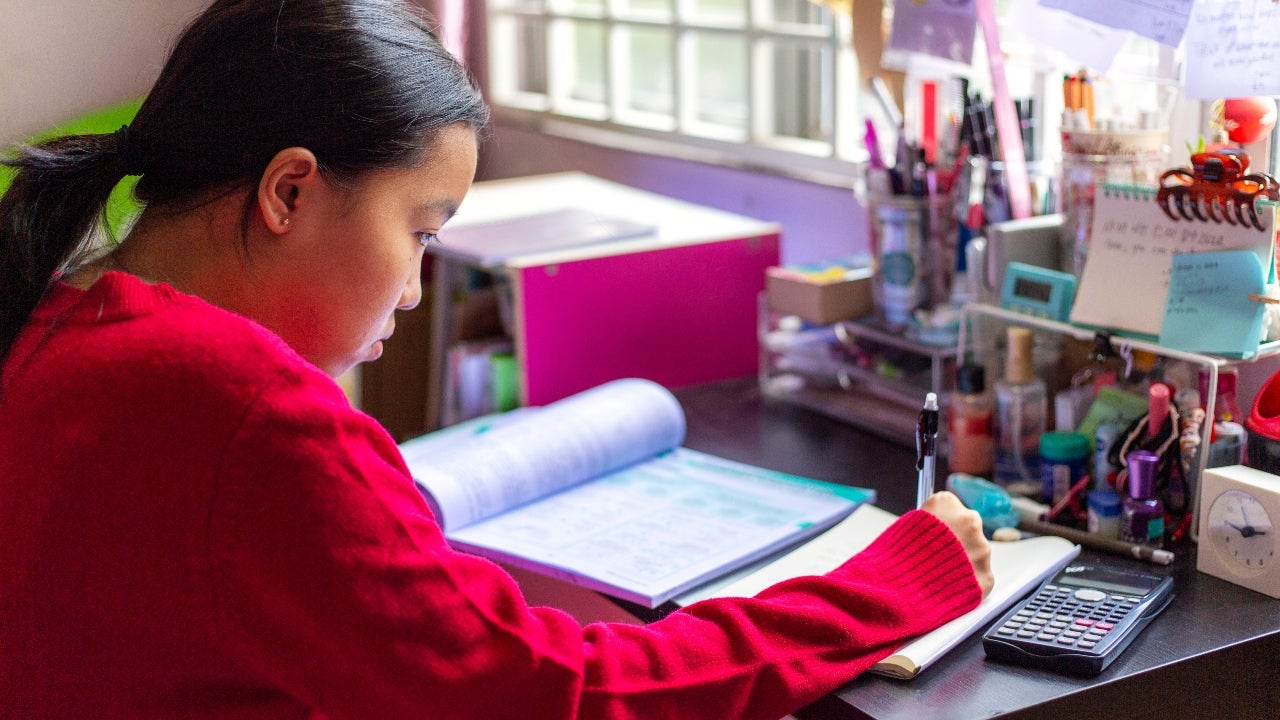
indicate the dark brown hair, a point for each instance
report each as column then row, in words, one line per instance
column 364, row 84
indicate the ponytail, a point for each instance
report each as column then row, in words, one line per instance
column 50, row 213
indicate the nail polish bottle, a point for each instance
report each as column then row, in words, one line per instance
column 1142, row 516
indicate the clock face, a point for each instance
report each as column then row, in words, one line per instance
column 1240, row 531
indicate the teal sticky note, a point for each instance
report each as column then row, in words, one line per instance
column 1208, row 308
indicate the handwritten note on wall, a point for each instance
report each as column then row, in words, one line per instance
column 1233, row 49
column 1126, row 274
column 1164, row 21
column 1085, row 42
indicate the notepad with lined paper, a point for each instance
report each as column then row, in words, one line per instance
column 1019, row 567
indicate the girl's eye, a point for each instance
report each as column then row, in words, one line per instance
column 426, row 239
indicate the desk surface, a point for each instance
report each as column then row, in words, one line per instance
column 1213, row 653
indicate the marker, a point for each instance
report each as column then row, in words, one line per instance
column 927, row 448
column 1157, row 409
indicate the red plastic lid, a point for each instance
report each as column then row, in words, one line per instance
column 1264, row 418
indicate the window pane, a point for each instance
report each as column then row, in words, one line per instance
column 648, row 74
column 592, row 6
column 522, row 5
column 797, row 94
column 717, row 11
column 719, row 91
column 647, row 9
column 520, row 55
column 580, row 62
column 797, row 12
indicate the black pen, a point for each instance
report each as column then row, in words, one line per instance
column 927, row 448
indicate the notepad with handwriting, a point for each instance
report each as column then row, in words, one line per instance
column 1125, row 282
column 1018, row 567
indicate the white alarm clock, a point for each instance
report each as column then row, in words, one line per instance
column 1239, row 509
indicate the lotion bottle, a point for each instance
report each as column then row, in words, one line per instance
column 972, row 446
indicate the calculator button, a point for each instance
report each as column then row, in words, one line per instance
column 1092, row 637
column 1087, row 644
column 1105, row 626
column 1045, row 636
column 1066, row 640
column 1026, row 634
column 1006, row 630
column 1089, row 595
column 1044, row 616
column 1084, row 622
column 1071, row 634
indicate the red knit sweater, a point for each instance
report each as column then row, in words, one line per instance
column 197, row 524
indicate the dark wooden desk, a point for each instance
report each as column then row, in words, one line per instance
column 1213, row 653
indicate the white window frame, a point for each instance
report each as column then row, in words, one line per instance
column 680, row 133
column 837, row 160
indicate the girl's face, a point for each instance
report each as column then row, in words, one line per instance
column 362, row 254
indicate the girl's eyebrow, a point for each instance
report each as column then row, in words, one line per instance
column 447, row 207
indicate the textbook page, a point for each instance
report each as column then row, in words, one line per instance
column 655, row 529
column 484, row 467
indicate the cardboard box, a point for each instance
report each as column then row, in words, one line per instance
column 820, row 295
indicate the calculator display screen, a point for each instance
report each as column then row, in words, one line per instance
column 1111, row 582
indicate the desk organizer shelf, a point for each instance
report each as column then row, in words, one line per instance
column 969, row 326
column 852, row 371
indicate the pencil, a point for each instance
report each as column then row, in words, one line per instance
column 1099, row 543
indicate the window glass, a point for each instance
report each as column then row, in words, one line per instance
column 646, row 66
column 798, row 111
column 730, row 12
column 719, row 83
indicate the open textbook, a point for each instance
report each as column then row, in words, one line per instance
column 1018, row 566
column 595, row 490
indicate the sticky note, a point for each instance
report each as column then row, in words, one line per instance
column 1208, row 308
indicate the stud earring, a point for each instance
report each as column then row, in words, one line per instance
column 285, row 221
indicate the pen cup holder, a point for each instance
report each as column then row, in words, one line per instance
column 913, row 243
column 1089, row 158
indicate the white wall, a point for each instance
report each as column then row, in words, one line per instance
column 62, row 58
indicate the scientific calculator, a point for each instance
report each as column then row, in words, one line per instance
column 1079, row 620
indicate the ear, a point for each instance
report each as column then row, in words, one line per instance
column 285, row 187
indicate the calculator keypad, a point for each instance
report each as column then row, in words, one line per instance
column 1060, row 616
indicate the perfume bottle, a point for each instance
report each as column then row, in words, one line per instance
column 1020, row 419
column 1142, row 513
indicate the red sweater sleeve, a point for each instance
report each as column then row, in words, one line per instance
column 336, row 585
